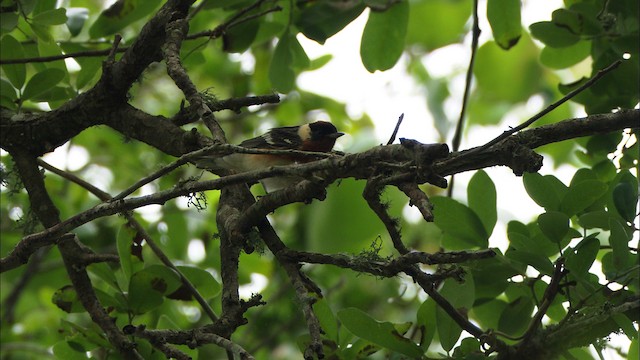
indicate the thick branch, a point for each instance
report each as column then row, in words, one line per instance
column 387, row 268
column 533, row 138
column 579, row 331
column 193, row 338
column 394, row 158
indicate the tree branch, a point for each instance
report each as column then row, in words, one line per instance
column 73, row 253
column 104, row 196
column 515, row 153
column 553, row 106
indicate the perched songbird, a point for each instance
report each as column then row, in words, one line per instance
column 319, row 136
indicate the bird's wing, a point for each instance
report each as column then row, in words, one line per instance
column 278, row 138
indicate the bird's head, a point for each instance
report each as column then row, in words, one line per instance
column 319, row 136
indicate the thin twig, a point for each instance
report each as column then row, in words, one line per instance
column 551, row 107
column 176, row 31
column 547, row 299
column 220, row 30
column 114, row 47
column 212, row 34
column 303, row 286
column 70, row 250
column 10, row 302
column 193, row 338
column 457, row 137
column 395, row 131
column 104, row 196
column 455, row 143
column 371, row 194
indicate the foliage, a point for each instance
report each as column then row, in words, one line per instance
column 576, row 263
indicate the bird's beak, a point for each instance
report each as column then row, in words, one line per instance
column 335, row 135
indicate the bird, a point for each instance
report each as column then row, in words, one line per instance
column 319, row 136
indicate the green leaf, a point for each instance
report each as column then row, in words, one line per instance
column 202, row 280
column 634, row 349
column 89, row 69
column 227, row 4
column 340, row 217
column 165, row 322
column 147, row 287
column 426, row 320
column 540, row 190
column 461, row 296
column 605, row 170
column 69, row 350
column 11, row 49
column 52, row 49
column 66, row 299
column 384, row 334
column 104, row 272
column 44, row 5
column 522, row 240
column 451, row 28
column 120, row 15
column 240, row 37
column 76, row 17
column 327, row 319
column 581, row 175
column 504, row 18
column 511, row 76
column 595, row 219
column 383, row 37
column 288, row 56
column 568, row 19
column 86, row 336
column 625, row 199
column 619, row 241
column 319, row 62
column 553, row 35
column 42, row 82
column 604, row 144
column 554, row 225
column 124, row 240
column 481, row 193
column 516, row 316
column 564, row 57
column 56, row 93
column 458, row 221
column 486, row 313
column 537, row 261
column 448, row 330
column 43, row 32
column 581, row 195
column 626, row 325
column 8, row 21
column 7, row 90
column 580, row 260
column 469, row 349
column 300, row 60
column 321, row 20
column 490, row 277
column 51, row 17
